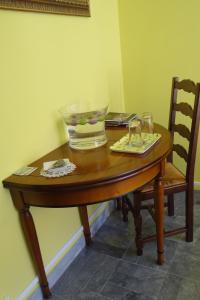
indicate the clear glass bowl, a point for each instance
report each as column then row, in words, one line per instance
column 85, row 128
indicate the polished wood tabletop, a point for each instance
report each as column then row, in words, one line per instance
column 94, row 167
column 100, row 175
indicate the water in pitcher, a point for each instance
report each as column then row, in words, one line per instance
column 86, row 130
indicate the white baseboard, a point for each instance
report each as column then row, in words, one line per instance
column 197, row 185
column 77, row 242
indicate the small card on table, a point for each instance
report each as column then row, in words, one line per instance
column 25, row 171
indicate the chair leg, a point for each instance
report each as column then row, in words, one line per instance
column 119, row 203
column 189, row 214
column 124, row 209
column 138, row 222
column 170, row 205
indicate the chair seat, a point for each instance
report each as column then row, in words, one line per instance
column 173, row 178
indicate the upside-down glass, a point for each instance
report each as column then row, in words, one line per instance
column 147, row 122
column 135, row 137
column 85, row 125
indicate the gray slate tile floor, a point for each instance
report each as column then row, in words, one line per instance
column 111, row 270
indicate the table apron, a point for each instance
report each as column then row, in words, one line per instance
column 89, row 195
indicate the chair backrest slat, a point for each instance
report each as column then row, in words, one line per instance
column 183, row 131
column 184, row 108
column 180, row 150
column 187, row 85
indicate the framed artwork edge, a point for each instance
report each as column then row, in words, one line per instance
column 63, row 7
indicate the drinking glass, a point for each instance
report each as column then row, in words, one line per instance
column 147, row 123
column 135, row 137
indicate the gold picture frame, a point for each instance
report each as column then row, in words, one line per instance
column 64, row 7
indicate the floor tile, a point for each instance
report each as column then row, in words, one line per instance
column 117, row 292
column 102, row 274
column 119, row 237
column 185, row 264
column 179, row 288
column 80, row 272
column 105, row 248
column 137, row 278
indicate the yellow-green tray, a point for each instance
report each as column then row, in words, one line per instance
column 123, row 144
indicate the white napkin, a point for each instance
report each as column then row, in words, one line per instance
column 57, row 168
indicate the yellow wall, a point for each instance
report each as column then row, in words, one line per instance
column 49, row 60
column 159, row 40
column 46, row 61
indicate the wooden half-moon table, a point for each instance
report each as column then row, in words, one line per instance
column 100, row 175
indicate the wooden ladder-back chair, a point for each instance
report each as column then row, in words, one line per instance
column 174, row 181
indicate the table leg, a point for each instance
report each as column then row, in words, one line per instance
column 159, row 214
column 32, row 240
column 86, row 226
